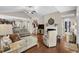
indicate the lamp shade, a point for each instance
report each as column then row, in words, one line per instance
column 5, row 29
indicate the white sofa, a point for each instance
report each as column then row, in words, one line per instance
column 23, row 44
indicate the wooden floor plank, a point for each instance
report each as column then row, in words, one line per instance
column 60, row 48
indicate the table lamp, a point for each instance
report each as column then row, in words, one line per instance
column 5, row 29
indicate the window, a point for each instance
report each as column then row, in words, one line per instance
column 67, row 25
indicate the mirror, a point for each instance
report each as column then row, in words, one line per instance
column 51, row 21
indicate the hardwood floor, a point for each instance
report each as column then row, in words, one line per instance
column 41, row 48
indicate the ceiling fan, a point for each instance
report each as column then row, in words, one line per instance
column 30, row 9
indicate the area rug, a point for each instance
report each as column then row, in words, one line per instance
column 72, row 47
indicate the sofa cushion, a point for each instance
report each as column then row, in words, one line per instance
column 14, row 37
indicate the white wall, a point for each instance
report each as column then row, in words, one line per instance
column 41, row 20
column 58, row 20
column 77, row 25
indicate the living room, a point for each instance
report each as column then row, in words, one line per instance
column 38, row 29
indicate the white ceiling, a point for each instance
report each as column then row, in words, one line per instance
column 7, row 9
column 42, row 10
column 46, row 10
column 65, row 8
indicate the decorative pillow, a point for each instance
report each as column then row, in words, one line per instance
column 14, row 37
